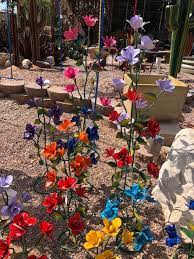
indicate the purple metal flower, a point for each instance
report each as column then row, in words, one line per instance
column 165, row 85
column 5, row 181
column 146, row 43
column 118, row 84
column 31, row 103
column 123, row 116
column 141, row 104
column 25, row 197
column 55, row 113
column 136, row 22
column 13, row 208
column 40, row 81
column 29, row 132
column 129, row 54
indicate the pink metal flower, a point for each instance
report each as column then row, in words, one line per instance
column 71, row 34
column 71, row 72
column 109, row 42
column 105, row 101
column 70, row 88
column 90, row 21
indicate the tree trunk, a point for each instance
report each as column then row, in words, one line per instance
column 15, row 39
column 35, row 32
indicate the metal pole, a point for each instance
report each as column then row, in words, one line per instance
column 60, row 32
column 9, row 38
column 100, row 45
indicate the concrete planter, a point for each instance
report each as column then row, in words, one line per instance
column 169, row 105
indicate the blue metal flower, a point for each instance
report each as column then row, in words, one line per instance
column 111, row 209
column 93, row 158
column 136, row 193
column 144, row 237
column 92, row 133
column 76, row 119
column 191, row 204
column 173, row 238
column 129, row 54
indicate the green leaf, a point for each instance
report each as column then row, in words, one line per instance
column 41, row 162
column 140, row 140
column 117, row 176
column 115, row 184
column 143, row 176
column 79, row 62
column 58, row 215
column 119, row 135
column 112, row 164
column 41, row 111
column 150, row 96
column 187, row 232
column 51, row 128
column 37, row 121
column 98, row 117
column 138, row 126
column 125, row 123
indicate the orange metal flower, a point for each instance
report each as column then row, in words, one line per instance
column 66, row 125
column 50, row 150
column 51, row 177
column 83, row 137
column 80, row 164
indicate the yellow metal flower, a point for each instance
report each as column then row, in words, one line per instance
column 111, row 228
column 93, row 238
column 127, row 237
column 191, row 226
column 108, row 254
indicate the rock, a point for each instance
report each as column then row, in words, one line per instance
column 144, row 155
column 50, row 60
column 26, row 64
column 22, row 98
column 77, row 101
column 2, row 95
column 57, row 93
column 43, row 64
column 190, row 96
column 168, row 131
column 34, row 90
column 11, row 86
column 175, row 187
column 47, row 103
column 7, row 64
column 66, row 107
column 3, row 58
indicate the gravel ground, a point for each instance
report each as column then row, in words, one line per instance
column 18, row 158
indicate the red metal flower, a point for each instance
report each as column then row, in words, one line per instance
column 46, row 228
column 133, row 95
column 20, row 224
column 50, row 202
column 153, row 169
column 4, row 248
column 81, row 191
column 67, row 183
column 114, row 115
column 123, row 157
column 153, row 127
column 76, row 223
column 109, row 152
column 36, row 257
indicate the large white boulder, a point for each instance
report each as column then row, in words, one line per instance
column 175, row 187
